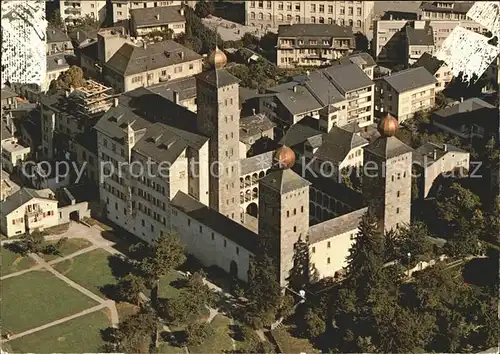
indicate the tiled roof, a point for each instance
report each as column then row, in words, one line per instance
column 336, row 226
column 284, row 181
column 410, row 79
column 431, row 63
column 387, row 148
column 314, row 30
column 156, row 16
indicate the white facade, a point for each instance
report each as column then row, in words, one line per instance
column 13, row 153
column 23, row 42
column 74, row 10
column 121, row 8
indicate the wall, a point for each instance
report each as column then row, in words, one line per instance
column 447, row 163
column 177, row 27
column 10, row 229
column 82, row 209
column 208, row 246
column 329, row 255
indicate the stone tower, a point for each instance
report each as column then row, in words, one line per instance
column 387, row 176
column 283, row 212
column 218, row 117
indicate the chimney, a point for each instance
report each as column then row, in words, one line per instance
column 60, row 62
column 115, row 102
column 253, row 111
column 295, row 88
column 144, row 45
column 157, row 17
column 182, row 11
column 461, row 99
column 77, row 35
column 307, row 73
column 390, row 17
column 66, row 93
column 181, row 55
column 176, row 97
column 71, row 89
column 445, row 147
column 434, row 154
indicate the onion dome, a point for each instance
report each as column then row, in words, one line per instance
column 388, row 126
column 285, row 157
column 217, row 58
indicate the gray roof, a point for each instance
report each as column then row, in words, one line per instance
column 7, row 92
column 284, row 181
column 22, row 196
column 419, row 36
column 361, row 59
column 56, row 35
column 218, row 77
column 184, row 87
column 428, row 150
column 156, row 16
column 410, row 79
column 215, row 221
column 298, row 100
column 131, row 59
column 337, row 144
column 56, row 62
column 314, row 30
column 80, row 35
column 336, row 226
column 387, row 148
column 348, row 77
column 256, row 163
column 253, row 125
column 300, row 132
column 429, row 62
column 461, row 7
column 469, row 105
column 164, row 129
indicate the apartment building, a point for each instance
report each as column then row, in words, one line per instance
column 419, row 40
column 404, row 93
column 270, row 14
column 338, row 95
column 390, row 38
column 127, row 65
column 433, row 160
column 58, row 41
column 157, row 19
column 121, row 8
column 56, row 65
column 436, row 67
column 13, row 153
column 74, row 10
column 363, row 60
column 313, row 44
column 445, row 10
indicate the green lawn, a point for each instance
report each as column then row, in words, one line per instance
column 13, row 262
column 218, row 343
column 36, row 298
column 290, row 344
column 166, row 348
column 166, row 290
column 90, row 270
column 80, row 335
column 70, row 246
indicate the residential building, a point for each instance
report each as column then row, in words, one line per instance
column 122, row 8
column 445, row 10
column 29, row 210
column 363, row 60
column 404, row 93
column 8, row 187
column 337, row 95
column 390, row 38
column 419, row 40
column 387, row 187
column 153, row 20
column 180, row 91
column 23, row 44
column 9, row 98
column 56, row 65
column 256, row 133
column 269, row 15
column 86, row 50
column 436, row 67
column 471, row 118
column 13, row 152
column 493, row 73
column 58, row 41
column 131, row 66
column 73, row 10
column 313, row 44
column 433, row 160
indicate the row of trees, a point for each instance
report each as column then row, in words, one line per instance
column 35, row 243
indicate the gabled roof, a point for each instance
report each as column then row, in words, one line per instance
column 216, row 221
column 56, row 35
column 284, row 181
column 388, row 147
column 7, row 93
column 409, row 79
column 469, row 105
column 361, row 59
column 336, row 226
column 131, row 59
column 429, row 62
column 56, row 62
column 348, row 77
column 428, row 150
column 23, row 196
column 461, row 7
column 156, row 16
column 314, row 30
column 337, row 144
column 419, row 36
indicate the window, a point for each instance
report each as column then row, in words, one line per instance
column 342, row 11
column 328, row 260
column 321, row 8
column 351, row 236
column 330, row 21
column 397, row 210
column 297, row 6
column 313, row 20
column 252, row 4
column 288, row 18
column 287, row 213
column 358, row 11
column 191, row 66
column 297, row 19
column 237, row 250
column 350, row 11
column 313, row 8
column 143, row 223
column 252, row 15
column 261, row 4
column 321, row 20
column 358, row 23
column 330, row 9
column 280, row 5
column 225, row 243
column 328, row 244
column 398, row 194
column 392, row 178
column 261, row 16
column 268, row 4
column 313, row 250
column 302, row 209
column 189, row 222
column 201, row 229
column 289, row 6
column 295, row 229
column 213, row 236
column 294, row 211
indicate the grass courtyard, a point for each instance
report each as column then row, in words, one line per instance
column 81, row 335
column 71, row 245
column 290, row 344
column 13, row 262
column 220, row 341
column 91, row 270
column 36, row 298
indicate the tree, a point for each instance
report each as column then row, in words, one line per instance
column 200, row 294
column 204, row 8
column 303, row 271
column 133, row 335
column 55, row 19
column 249, row 40
column 30, row 243
column 314, row 325
column 414, row 239
column 72, row 78
column 198, row 36
column 130, row 287
column 87, row 21
column 254, row 344
column 196, row 333
column 268, row 41
column 175, row 310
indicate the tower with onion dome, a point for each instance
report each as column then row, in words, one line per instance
column 283, row 211
column 387, row 176
column 218, row 117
